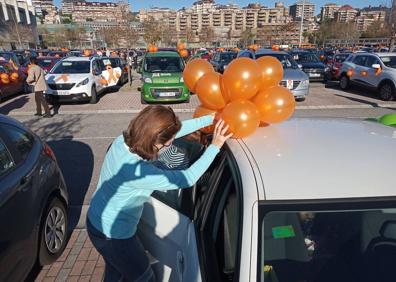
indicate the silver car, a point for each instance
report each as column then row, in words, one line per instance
column 293, row 77
column 304, row 200
column 374, row 71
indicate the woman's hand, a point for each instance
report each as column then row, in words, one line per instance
column 219, row 136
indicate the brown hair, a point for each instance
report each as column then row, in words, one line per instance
column 153, row 125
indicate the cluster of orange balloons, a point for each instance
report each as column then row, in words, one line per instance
column 87, row 52
column 246, row 94
column 152, row 48
column 253, row 47
column 181, row 48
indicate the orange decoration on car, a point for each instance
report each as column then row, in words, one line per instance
column 364, row 73
column 14, row 76
column 349, row 72
column 64, row 77
column 103, row 81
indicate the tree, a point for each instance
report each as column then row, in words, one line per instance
column 131, row 36
column 377, row 29
column 152, row 31
column 207, row 35
column 247, row 37
column 112, row 35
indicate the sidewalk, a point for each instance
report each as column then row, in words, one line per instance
column 79, row 262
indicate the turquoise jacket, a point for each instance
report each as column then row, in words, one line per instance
column 126, row 182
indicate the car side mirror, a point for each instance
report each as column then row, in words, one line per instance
column 376, row 66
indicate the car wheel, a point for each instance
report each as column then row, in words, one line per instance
column 94, row 95
column 53, row 232
column 386, row 91
column 344, row 82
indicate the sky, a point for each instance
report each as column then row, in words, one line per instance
column 176, row 4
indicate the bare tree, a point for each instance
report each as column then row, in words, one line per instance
column 207, row 35
column 152, row 31
column 247, row 37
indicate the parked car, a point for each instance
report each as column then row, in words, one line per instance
column 33, row 202
column 220, row 60
column 75, row 79
column 256, row 215
column 162, row 76
column 312, row 66
column 11, row 86
column 336, row 65
column 293, row 77
column 372, row 71
column 47, row 63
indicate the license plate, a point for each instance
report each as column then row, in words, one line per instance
column 62, row 92
column 314, row 75
column 167, row 94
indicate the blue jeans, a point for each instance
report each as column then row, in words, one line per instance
column 125, row 259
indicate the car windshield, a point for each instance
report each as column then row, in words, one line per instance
column 44, row 63
column 163, row 64
column 332, row 245
column 305, row 58
column 72, row 67
column 227, row 57
column 286, row 60
column 389, row 61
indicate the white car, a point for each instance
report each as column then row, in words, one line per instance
column 305, row 200
column 76, row 78
column 373, row 71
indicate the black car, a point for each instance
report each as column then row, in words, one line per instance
column 33, row 202
column 220, row 60
column 312, row 66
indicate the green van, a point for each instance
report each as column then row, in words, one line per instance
column 162, row 77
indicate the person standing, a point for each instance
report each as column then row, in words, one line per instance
column 36, row 78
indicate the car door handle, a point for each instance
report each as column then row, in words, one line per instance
column 25, row 181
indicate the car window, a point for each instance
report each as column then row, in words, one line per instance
column 360, row 60
column 246, row 55
column 96, row 66
column 71, row 67
column 22, row 140
column 287, row 61
column 330, row 245
column 371, row 60
column 180, row 155
column 389, row 61
column 6, row 162
column 163, row 64
column 306, row 58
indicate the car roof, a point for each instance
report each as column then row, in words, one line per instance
column 163, row 54
column 391, row 54
column 262, row 51
column 73, row 58
column 325, row 158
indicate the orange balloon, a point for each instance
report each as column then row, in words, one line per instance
column 275, row 104
column 241, row 79
column 271, row 71
column 4, row 76
column 208, row 89
column 194, row 70
column 202, row 111
column 14, row 76
column 181, row 46
column 183, row 53
column 242, row 116
column 5, row 80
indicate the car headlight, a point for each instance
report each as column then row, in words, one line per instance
column 305, row 83
column 181, row 79
column 84, row 82
column 148, row 80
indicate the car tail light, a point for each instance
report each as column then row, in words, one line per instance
column 48, row 152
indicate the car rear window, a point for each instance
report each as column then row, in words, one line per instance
column 22, row 140
column 72, row 67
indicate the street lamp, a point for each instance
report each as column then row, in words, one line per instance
column 302, row 21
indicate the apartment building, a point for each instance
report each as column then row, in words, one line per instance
column 46, row 11
column 18, row 27
column 328, row 11
column 301, row 8
column 345, row 14
column 84, row 11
